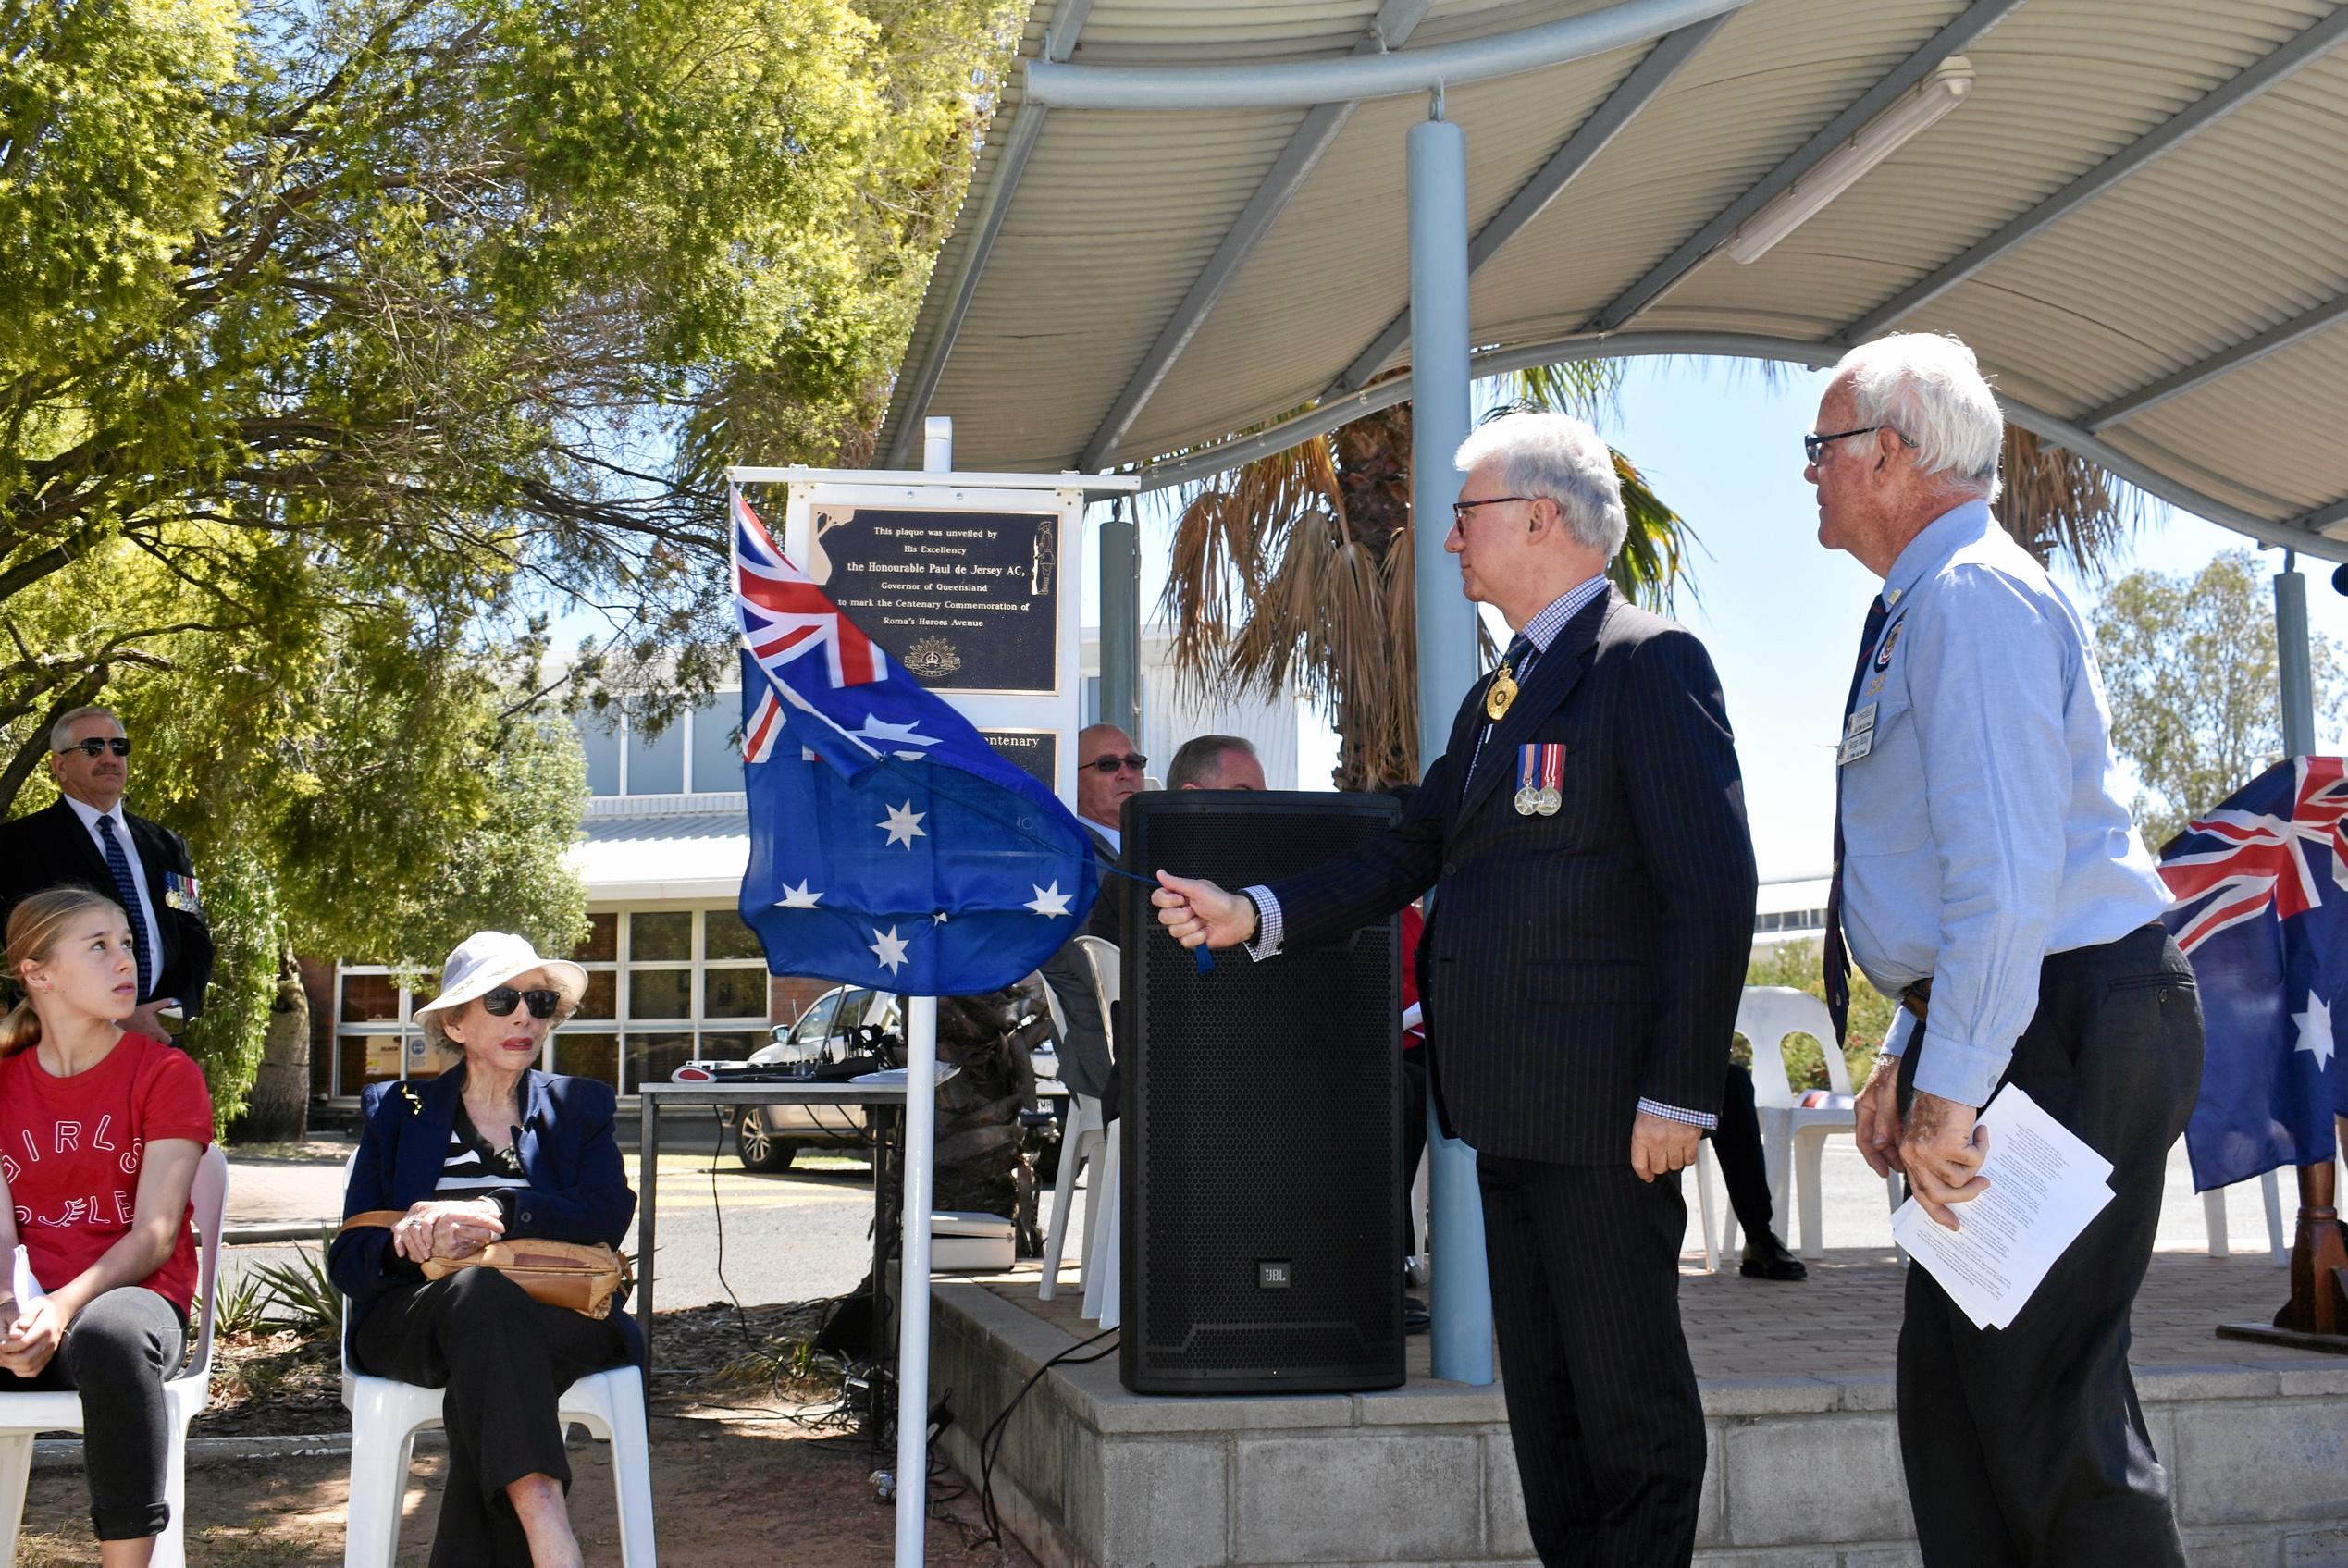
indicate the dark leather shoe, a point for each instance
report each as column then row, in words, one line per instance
column 1414, row 1318
column 1769, row 1258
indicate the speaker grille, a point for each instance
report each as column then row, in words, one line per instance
column 1262, row 1122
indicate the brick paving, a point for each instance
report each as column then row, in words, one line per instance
column 1844, row 1320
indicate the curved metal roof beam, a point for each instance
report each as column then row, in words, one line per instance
column 1395, row 21
column 1666, row 274
column 1027, row 124
column 2301, row 533
column 1303, row 84
column 2250, row 350
column 2243, row 88
column 1639, row 88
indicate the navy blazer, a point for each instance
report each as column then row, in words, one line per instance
column 51, row 848
column 1574, row 963
column 579, row 1186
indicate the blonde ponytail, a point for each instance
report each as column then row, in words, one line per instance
column 34, row 927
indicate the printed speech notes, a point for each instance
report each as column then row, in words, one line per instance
column 2045, row 1186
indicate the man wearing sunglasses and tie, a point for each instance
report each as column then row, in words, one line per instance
column 87, row 839
column 1109, row 772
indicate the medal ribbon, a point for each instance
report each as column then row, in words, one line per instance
column 1526, row 762
column 1554, row 767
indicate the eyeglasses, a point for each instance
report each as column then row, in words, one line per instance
column 503, row 999
column 98, row 746
column 1460, row 508
column 1111, row 764
column 1815, row 445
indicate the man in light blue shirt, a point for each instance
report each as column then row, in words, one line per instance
column 1988, row 876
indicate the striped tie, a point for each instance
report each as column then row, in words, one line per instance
column 126, row 888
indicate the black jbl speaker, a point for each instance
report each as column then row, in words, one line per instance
column 1262, row 1119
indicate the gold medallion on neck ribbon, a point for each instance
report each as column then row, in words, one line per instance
column 1502, row 692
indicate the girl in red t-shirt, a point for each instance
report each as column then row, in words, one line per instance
column 100, row 1134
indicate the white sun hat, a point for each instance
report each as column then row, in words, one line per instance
column 486, row 961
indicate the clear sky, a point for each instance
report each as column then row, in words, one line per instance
column 1721, row 443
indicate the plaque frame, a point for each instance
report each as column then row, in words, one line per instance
column 1060, row 710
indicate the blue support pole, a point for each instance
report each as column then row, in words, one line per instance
column 1121, row 625
column 2292, row 665
column 1436, row 152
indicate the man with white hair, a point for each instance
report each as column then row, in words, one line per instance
column 1987, row 875
column 1584, row 833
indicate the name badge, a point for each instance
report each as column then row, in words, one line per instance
column 1858, row 736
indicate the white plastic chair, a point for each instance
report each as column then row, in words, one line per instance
column 1081, row 1142
column 21, row 1415
column 1704, row 1167
column 1793, row 1135
column 386, row 1415
column 1102, row 1232
column 2213, row 1211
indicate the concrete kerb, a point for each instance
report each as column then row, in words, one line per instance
column 288, row 1230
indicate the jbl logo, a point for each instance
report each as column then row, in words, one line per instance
column 1273, row 1276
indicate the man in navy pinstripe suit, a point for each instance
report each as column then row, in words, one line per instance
column 1584, row 833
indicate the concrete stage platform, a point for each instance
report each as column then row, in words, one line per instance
column 1802, row 1464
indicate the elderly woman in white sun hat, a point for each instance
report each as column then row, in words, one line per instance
column 492, row 1147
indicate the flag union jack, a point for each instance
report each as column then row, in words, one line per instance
column 2234, row 864
column 786, row 618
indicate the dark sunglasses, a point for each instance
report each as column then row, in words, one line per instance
column 99, row 745
column 1112, row 763
column 502, row 1001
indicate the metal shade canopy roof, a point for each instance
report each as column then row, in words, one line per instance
column 2138, row 218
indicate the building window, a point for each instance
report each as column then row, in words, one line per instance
column 698, row 753
column 663, row 987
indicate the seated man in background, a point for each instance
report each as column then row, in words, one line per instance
column 1215, row 763
column 1206, row 762
column 1736, row 1142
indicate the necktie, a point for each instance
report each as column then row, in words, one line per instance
column 126, row 888
column 1519, row 654
column 1838, row 956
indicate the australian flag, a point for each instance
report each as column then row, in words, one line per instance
column 890, row 846
column 2261, row 890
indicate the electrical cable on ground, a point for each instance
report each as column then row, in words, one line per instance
column 999, row 1428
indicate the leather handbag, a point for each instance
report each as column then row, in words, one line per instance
column 576, row 1275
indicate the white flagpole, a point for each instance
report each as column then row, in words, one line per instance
column 913, row 1283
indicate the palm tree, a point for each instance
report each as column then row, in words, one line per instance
column 1296, row 569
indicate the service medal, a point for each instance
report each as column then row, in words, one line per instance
column 1528, row 794
column 1551, row 797
column 1502, row 692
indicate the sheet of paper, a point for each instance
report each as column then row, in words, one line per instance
column 2045, row 1186
column 27, row 1289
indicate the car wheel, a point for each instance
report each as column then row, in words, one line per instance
column 755, row 1147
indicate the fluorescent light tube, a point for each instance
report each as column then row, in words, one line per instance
column 1916, row 111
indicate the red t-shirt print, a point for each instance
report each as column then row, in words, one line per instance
column 72, row 1150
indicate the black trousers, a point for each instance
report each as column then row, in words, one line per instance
column 2025, row 1445
column 1602, row 1396
column 1736, row 1143
column 117, row 1353
column 504, row 1360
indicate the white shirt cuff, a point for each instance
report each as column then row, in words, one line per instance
column 1269, row 930
column 1960, row 1070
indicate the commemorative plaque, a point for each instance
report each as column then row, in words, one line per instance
column 1034, row 752
column 967, row 602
